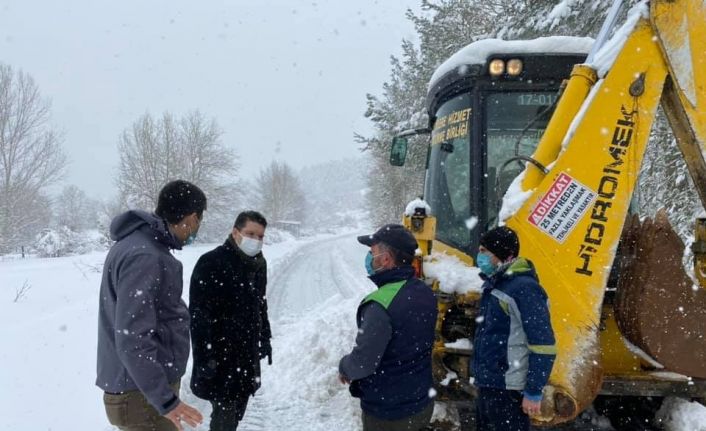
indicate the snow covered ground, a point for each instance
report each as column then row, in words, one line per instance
column 48, row 357
column 47, row 362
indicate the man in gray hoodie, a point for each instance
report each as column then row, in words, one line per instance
column 143, row 324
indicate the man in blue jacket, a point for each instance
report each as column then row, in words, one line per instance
column 143, row 324
column 389, row 368
column 513, row 349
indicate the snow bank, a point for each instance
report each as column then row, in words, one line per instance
column 454, row 276
column 514, row 198
column 560, row 11
column 274, row 236
column 450, row 375
column 63, row 241
column 462, row 343
column 308, row 387
column 57, row 319
column 417, row 203
column 605, row 57
column 678, row 414
column 478, row 52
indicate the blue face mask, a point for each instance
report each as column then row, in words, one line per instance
column 485, row 264
column 369, row 263
column 190, row 240
column 192, row 236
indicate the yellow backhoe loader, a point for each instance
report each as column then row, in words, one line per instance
column 548, row 136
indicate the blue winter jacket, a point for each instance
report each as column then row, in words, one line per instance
column 514, row 345
column 390, row 366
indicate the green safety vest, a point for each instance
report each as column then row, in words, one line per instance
column 385, row 294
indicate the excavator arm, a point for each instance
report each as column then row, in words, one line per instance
column 571, row 223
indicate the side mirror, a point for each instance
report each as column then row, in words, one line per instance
column 398, row 151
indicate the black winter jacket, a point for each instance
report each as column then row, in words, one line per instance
column 229, row 322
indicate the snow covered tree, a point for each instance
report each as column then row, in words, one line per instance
column 665, row 181
column 443, row 27
column 154, row 152
column 75, row 210
column 335, row 192
column 558, row 18
column 278, row 193
column 31, row 158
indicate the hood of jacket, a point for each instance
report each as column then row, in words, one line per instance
column 130, row 221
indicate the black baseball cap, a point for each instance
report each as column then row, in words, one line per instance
column 394, row 235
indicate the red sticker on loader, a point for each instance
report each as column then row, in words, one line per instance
column 558, row 212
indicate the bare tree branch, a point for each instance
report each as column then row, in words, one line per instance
column 153, row 153
column 279, row 193
column 21, row 292
column 31, row 157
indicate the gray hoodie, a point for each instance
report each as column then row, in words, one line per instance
column 143, row 324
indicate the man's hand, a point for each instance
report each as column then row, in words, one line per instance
column 343, row 379
column 531, row 408
column 186, row 413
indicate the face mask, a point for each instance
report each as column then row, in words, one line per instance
column 250, row 246
column 485, row 264
column 190, row 240
column 192, row 236
column 369, row 263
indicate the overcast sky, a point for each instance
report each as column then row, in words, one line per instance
column 284, row 79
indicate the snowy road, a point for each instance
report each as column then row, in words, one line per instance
column 312, row 294
column 317, row 272
column 47, row 358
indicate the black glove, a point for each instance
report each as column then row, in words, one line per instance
column 266, row 351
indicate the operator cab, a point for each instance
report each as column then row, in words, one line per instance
column 488, row 107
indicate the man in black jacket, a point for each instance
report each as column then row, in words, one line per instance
column 389, row 368
column 143, row 324
column 230, row 331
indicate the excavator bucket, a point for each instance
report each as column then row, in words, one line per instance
column 657, row 307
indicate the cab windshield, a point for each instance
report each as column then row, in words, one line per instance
column 512, row 124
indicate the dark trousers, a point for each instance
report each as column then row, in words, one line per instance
column 415, row 422
column 227, row 413
column 500, row 410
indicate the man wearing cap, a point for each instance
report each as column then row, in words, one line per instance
column 389, row 368
column 513, row 348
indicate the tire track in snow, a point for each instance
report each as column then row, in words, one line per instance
column 315, row 273
column 319, row 272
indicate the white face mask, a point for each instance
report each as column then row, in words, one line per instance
column 250, row 246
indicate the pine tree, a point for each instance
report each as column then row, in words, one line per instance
column 443, row 27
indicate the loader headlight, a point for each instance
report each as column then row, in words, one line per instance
column 514, row 67
column 496, row 67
